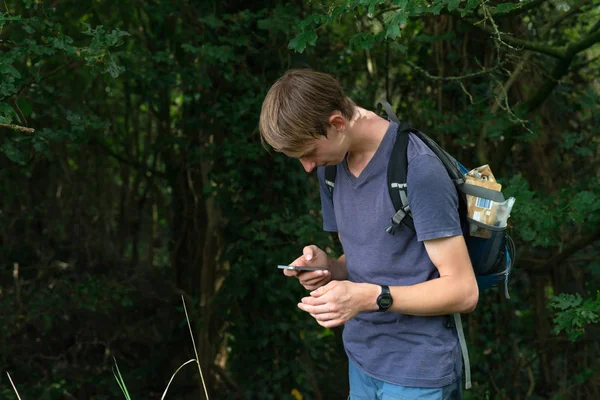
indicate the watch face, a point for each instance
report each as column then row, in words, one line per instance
column 385, row 301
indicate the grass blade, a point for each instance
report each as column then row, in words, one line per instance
column 120, row 380
column 195, row 351
column 169, row 384
column 13, row 385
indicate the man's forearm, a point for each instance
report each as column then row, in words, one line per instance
column 338, row 269
column 444, row 295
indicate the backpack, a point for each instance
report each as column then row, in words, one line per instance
column 492, row 258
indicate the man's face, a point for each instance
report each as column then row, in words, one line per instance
column 324, row 151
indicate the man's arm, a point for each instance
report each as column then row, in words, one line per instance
column 454, row 291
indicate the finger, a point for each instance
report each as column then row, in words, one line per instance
column 314, row 286
column 289, row 272
column 323, row 289
column 312, row 277
column 313, row 301
column 311, row 287
column 315, row 310
column 300, row 261
column 331, row 323
column 324, row 317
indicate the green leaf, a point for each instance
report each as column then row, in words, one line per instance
column 470, row 6
column 362, row 40
column 528, row 234
column 6, row 113
column 63, row 43
column 28, row 29
column 392, row 31
column 505, row 7
column 7, row 18
column 300, row 42
column 453, row 4
column 371, row 6
column 437, row 8
column 398, row 47
column 13, row 153
column 212, row 21
column 590, row 99
column 26, row 107
column 574, row 313
column 393, row 27
column 120, row 380
column 40, row 147
column 400, row 3
column 565, row 301
column 9, row 70
column 113, row 68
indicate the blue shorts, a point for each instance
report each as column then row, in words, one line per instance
column 364, row 387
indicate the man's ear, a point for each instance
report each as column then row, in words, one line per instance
column 338, row 121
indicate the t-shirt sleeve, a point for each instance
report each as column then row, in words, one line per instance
column 432, row 198
column 329, row 223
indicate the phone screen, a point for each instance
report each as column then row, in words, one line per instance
column 299, row 268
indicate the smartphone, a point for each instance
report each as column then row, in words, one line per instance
column 299, row 268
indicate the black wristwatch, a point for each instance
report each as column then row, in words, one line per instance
column 384, row 300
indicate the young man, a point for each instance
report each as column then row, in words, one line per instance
column 392, row 292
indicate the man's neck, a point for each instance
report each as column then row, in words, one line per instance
column 366, row 131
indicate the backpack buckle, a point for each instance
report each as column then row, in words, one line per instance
column 397, row 219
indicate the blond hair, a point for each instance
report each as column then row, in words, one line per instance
column 297, row 109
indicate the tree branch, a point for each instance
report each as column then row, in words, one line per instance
column 134, row 164
column 560, row 70
column 595, row 27
column 13, row 103
column 584, row 64
column 571, row 249
column 547, row 87
column 522, row 8
column 228, row 380
column 525, row 44
column 557, row 21
column 484, row 71
column 17, row 128
column 591, row 39
column 46, row 76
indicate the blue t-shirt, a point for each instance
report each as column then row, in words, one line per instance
column 400, row 349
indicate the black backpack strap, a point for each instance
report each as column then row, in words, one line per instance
column 396, row 174
column 330, row 173
column 389, row 111
column 447, row 160
column 397, row 171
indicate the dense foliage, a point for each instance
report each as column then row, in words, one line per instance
column 132, row 174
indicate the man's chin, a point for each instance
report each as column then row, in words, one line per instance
column 330, row 163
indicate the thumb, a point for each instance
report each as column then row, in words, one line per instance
column 309, row 252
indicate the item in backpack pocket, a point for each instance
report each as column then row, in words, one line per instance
column 481, row 209
column 503, row 212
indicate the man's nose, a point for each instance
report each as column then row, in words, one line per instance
column 308, row 165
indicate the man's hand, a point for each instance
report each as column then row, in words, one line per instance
column 339, row 301
column 312, row 257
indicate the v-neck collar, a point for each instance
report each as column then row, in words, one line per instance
column 356, row 180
